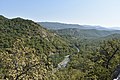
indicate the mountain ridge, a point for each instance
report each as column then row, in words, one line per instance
column 57, row 25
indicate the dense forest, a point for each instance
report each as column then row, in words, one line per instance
column 28, row 51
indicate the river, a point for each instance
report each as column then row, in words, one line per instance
column 65, row 61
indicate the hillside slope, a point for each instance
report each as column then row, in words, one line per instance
column 35, row 35
column 85, row 33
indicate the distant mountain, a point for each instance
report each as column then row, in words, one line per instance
column 112, row 36
column 115, row 28
column 56, row 26
column 80, row 31
column 85, row 33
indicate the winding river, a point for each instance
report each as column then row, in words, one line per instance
column 65, row 61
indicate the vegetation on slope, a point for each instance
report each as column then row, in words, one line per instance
column 29, row 51
column 85, row 33
column 25, row 45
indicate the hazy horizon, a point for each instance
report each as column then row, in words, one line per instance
column 83, row 12
column 114, row 27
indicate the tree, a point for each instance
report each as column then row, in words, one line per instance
column 107, row 57
column 22, row 62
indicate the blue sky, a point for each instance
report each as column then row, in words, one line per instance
column 87, row 12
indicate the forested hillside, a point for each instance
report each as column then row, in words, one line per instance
column 86, row 33
column 30, row 52
column 99, row 51
column 25, row 45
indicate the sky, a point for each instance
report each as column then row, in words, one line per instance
column 86, row 12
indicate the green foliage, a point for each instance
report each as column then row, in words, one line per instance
column 22, row 62
column 86, row 33
column 108, row 58
column 98, row 64
column 26, row 50
column 29, row 51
